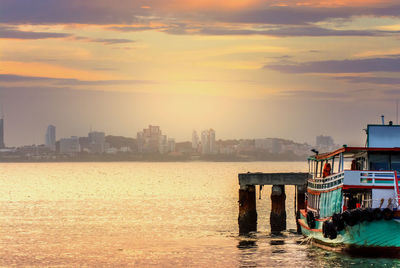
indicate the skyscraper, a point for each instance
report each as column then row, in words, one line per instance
column 51, row 137
column 149, row 139
column 213, row 148
column 208, row 145
column 2, row 145
column 195, row 140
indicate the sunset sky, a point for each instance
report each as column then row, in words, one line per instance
column 247, row 68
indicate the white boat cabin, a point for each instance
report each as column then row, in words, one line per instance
column 353, row 177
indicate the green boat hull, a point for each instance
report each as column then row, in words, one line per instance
column 375, row 234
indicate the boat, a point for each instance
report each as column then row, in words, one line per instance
column 353, row 198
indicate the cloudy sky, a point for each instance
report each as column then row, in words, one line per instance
column 248, row 68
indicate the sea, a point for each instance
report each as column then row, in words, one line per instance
column 135, row 214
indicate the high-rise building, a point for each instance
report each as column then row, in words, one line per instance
column 163, row 144
column 195, row 140
column 208, row 145
column 213, row 148
column 2, row 145
column 171, row 145
column 149, row 139
column 51, row 137
column 205, row 142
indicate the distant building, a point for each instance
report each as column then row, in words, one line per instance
column 2, row 145
column 69, row 145
column 213, row 148
column 163, row 144
column 84, row 144
column 208, row 144
column 183, row 147
column 171, row 145
column 151, row 140
column 148, row 140
column 97, row 142
column 195, row 140
column 269, row 144
column 51, row 137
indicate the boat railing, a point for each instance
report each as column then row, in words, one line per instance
column 327, row 183
column 369, row 178
column 355, row 178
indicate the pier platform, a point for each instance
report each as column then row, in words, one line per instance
column 247, row 198
column 246, row 179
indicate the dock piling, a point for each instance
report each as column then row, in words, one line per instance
column 278, row 211
column 247, row 210
column 300, row 203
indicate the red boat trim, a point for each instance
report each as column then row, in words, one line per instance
column 388, row 179
column 303, row 212
column 301, row 222
column 324, row 219
column 346, row 187
column 354, row 150
column 313, row 192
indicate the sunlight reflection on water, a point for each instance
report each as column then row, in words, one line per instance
column 145, row 214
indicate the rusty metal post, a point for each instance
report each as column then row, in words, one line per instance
column 300, row 203
column 247, row 210
column 278, row 211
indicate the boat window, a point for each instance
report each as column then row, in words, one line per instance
column 395, row 162
column 378, row 162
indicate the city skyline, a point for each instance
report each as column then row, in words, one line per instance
column 50, row 139
column 253, row 68
column 152, row 144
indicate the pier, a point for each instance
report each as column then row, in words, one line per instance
column 247, row 198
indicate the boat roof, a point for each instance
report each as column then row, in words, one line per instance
column 351, row 151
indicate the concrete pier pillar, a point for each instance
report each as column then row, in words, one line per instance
column 247, row 209
column 300, row 203
column 278, row 211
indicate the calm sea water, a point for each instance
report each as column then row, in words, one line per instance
column 143, row 215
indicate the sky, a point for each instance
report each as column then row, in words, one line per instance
column 247, row 68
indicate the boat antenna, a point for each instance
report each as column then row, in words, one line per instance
column 383, row 119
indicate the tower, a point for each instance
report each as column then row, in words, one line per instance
column 51, row 137
column 2, row 145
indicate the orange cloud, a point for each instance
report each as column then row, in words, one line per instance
column 332, row 3
column 49, row 70
column 241, row 4
column 212, row 4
